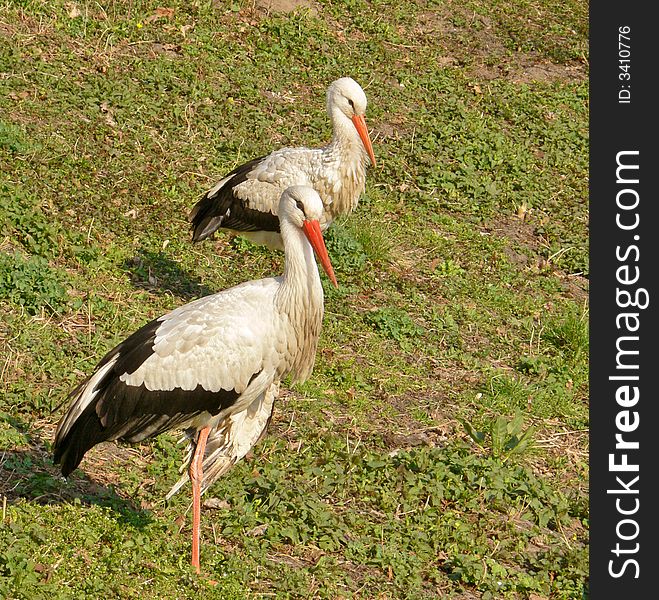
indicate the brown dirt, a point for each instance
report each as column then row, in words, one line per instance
column 285, row 6
column 489, row 58
column 524, row 249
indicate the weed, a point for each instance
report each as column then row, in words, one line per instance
column 345, row 251
column 12, row 138
column 506, row 437
column 449, row 268
column 31, row 283
column 395, row 324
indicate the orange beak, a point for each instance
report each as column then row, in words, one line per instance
column 360, row 125
column 314, row 235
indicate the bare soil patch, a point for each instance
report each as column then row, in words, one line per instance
column 524, row 250
column 285, row 6
column 478, row 42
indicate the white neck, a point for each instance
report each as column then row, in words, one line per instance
column 346, row 140
column 300, row 297
column 300, row 268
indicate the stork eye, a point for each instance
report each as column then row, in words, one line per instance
column 352, row 104
column 300, row 205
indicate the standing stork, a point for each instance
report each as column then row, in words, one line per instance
column 211, row 367
column 246, row 200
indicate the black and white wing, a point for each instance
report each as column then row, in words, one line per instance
column 180, row 370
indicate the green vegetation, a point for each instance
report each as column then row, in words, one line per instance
column 440, row 448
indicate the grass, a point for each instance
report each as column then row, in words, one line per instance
column 440, row 447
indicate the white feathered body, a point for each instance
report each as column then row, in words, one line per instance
column 338, row 178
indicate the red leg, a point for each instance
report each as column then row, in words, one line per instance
column 196, row 477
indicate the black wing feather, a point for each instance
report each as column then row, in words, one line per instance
column 223, row 209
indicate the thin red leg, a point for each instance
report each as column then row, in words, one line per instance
column 196, row 477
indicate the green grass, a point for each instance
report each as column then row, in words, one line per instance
column 440, row 448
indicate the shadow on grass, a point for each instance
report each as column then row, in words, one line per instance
column 156, row 272
column 30, row 474
column 25, row 474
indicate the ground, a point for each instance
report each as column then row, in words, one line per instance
column 440, row 447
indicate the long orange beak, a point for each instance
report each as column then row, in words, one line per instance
column 314, row 235
column 360, row 125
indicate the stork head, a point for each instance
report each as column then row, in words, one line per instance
column 346, row 97
column 302, row 206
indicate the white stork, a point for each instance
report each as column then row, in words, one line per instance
column 246, row 200
column 211, row 367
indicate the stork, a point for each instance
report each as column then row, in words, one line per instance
column 211, row 367
column 246, row 199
